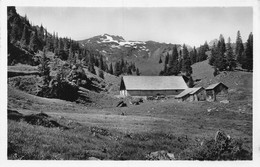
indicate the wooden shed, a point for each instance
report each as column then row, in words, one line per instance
column 217, row 92
column 152, row 85
column 192, row 94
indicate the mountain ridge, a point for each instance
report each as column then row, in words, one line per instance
column 143, row 53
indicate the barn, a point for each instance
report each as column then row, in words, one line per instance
column 152, row 85
column 217, row 92
column 192, row 94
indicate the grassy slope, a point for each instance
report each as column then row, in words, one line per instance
column 151, row 126
column 149, row 123
column 240, row 83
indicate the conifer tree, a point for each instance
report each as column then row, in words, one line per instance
column 44, row 68
column 221, row 44
column 220, row 60
column 137, row 72
column 33, row 42
column 101, row 73
column 49, row 43
column 106, row 67
column 71, row 54
column 65, row 43
column 214, row 52
column 96, row 61
column 41, row 38
column 206, row 46
column 190, row 82
column 15, row 31
column 173, row 62
column 91, row 68
column 101, row 63
column 25, row 37
column 117, row 68
column 122, row 65
column 231, row 63
column 133, row 67
column 45, row 36
column 166, row 58
column 186, row 63
column 165, row 68
column 180, row 63
column 129, row 70
column 111, row 69
column 247, row 62
column 160, row 60
column 193, row 55
column 55, row 42
column 239, row 48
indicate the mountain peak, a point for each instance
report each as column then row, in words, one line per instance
column 113, row 37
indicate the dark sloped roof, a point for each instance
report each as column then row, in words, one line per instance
column 212, row 86
column 195, row 90
column 188, row 91
column 154, row 82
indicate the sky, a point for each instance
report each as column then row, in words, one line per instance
column 177, row 25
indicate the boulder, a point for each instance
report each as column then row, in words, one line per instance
column 121, row 104
column 221, row 136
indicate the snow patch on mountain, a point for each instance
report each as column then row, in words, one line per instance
column 108, row 39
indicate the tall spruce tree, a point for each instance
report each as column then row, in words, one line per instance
column 33, row 45
column 44, row 68
column 219, row 55
column 214, row 52
column 231, row 63
column 111, row 71
column 16, row 30
column 173, row 62
column 25, row 37
column 137, row 72
column 186, row 63
column 239, row 48
column 222, row 44
column 166, row 58
column 101, row 63
column 193, row 55
column 117, row 68
column 129, row 70
column 247, row 62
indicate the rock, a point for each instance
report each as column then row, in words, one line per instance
column 136, row 103
column 221, row 136
column 121, row 104
column 212, row 109
column 160, row 155
column 224, row 101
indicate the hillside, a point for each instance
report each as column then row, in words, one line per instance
column 240, row 83
column 144, row 53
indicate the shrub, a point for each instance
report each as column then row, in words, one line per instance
column 229, row 149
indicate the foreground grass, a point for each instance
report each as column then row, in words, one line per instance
column 34, row 142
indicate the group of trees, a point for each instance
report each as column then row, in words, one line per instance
column 178, row 62
column 23, row 34
column 123, row 67
column 226, row 57
column 34, row 38
column 94, row 58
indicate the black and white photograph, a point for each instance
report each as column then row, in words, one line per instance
column 127, row 82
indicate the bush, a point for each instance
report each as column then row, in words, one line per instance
column 229, row 149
